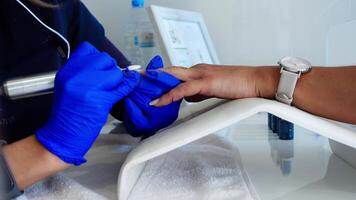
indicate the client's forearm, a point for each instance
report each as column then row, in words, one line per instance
column 30, row 162
column 326, row 92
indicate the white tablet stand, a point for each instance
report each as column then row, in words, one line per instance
column 183, row 37
column 217, row 119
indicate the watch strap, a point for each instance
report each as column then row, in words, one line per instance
column 286, row 86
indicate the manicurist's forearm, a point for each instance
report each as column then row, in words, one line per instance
column 326, row 92
column 30, row 162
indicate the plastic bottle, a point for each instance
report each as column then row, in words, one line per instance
column 140, row 37
column 286, row 130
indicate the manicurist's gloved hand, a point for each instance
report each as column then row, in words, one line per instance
column 86, row 88
column 139, row 117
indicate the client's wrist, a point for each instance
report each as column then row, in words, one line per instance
column 267, row 79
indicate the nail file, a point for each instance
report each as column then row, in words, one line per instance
column 37, row 85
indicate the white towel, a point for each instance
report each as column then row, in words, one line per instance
column 208, row 170
column 59, row 187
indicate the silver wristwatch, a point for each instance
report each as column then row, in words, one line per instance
column 291, row 70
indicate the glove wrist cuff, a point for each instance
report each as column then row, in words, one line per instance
column 57, row 149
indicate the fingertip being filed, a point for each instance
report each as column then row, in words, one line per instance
column 154, row 102
column 162, row 101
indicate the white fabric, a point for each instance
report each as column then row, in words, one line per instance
column 209, row 170
column 59, row 187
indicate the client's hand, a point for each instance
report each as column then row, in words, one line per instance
column 86, row 88
column 206, row 81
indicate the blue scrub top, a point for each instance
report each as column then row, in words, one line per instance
column 27, row 48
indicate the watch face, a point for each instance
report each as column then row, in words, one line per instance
column 295, row 64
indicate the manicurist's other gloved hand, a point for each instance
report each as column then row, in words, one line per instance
column 86, row 88
column 139, row 117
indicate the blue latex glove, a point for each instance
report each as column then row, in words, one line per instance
column 141, row 119
column 86, row 88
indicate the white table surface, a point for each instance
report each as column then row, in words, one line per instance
column 304, row 168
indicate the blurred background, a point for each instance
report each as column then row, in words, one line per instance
column 253, row 32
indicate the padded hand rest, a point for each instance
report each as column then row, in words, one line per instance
column 217, row 119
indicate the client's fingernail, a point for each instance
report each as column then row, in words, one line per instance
column 154, row 102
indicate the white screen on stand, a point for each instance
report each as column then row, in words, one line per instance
column 188, row 45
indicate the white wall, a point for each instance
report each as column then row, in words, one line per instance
column 248, row 31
